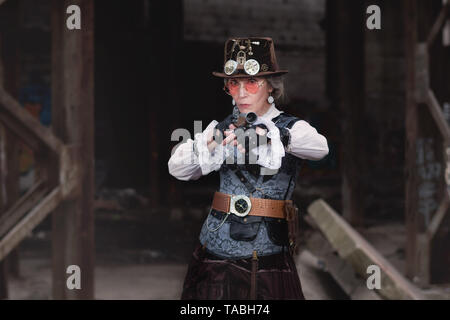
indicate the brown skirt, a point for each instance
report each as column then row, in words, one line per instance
column 211, row 277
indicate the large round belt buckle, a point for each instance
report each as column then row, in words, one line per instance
column 240, row 205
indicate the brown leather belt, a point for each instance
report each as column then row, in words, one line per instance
column 259, row 207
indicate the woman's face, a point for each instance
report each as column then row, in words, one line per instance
column 250, row 94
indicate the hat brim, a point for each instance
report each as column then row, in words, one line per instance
column 244, row 75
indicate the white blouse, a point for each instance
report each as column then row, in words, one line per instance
column 305, row 143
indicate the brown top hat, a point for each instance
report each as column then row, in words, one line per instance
column 249, row 57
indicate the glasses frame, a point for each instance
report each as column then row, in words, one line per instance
column 260, row 84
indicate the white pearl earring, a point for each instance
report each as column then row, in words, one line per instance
column 233, row 102
column 270, row 99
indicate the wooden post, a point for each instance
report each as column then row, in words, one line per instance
column 3, row 199
column 426, row 129
column 3, row 275
column 411, row 198
column 346, row 74
column 73, row 123
column 9, row 160
column 439, row 255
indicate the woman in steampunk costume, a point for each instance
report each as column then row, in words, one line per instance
column 248, row 239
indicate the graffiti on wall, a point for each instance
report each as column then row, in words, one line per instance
column 35, row 98
column 430, row 171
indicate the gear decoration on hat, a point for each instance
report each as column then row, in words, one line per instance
column 230, row 67
column 252, row 55
column 251, row 67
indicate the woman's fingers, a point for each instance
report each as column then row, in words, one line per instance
column 228, row 139
column 261, row 131
column 230, row 130
column 212, row 146
column 231, row 138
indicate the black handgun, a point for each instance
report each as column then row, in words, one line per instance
column 246, row 121
column 243, row 120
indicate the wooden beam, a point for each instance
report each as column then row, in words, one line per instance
column 352, row 247
column 23, row 124
column 438, row 217
column 438, row 116
column 422, row 75
column 17, row 130
column 438, row 24
column 340, row 270
column 29, row 222
column 29, row 200
column 73, row 123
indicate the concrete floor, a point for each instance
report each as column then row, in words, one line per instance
column 156, row 281
column 137, row 257
column 121, row 282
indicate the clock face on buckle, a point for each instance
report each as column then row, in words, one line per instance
column 240, row 205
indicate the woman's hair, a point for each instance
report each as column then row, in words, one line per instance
column 277, row 85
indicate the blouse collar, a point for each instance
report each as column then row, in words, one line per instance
column 271, row 113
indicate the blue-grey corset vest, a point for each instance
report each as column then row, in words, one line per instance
column 237, row 237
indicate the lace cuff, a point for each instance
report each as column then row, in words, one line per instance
column 270, row 155
column 208, row 161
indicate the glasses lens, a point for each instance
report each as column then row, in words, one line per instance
column 252, row 86
column 233, row 86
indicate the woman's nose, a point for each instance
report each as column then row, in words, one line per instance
column 242, row 91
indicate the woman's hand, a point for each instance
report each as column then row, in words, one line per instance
column 232, row 138
column 211, row 143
